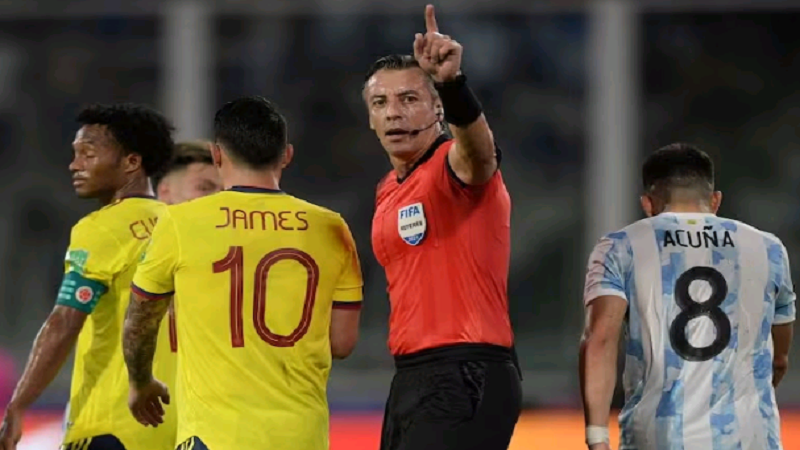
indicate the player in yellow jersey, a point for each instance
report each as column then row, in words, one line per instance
column 189, row 175
column 267, row 291
column 115, row 150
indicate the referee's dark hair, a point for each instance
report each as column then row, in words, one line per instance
column 185, row 154
column 252, row 131
column 398, row 62
column 678, row 166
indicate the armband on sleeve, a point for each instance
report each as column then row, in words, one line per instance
column 79, row 292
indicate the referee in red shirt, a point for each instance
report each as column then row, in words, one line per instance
column 441, row 231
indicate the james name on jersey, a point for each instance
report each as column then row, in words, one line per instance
column 264, row 220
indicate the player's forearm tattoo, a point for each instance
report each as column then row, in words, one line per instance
column 139, row 336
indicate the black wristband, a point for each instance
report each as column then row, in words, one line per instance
column 460, row 105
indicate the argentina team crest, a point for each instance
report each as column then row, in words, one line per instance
column 411, row 223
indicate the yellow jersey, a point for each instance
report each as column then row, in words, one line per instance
column 105, row 247
column 256, row 274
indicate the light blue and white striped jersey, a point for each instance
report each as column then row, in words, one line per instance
column 703, row 293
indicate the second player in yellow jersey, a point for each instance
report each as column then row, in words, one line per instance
column 267, row 289
column 104, row 249
column 116, row 149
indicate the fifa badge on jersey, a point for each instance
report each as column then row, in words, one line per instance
column 77, row 260
column 411, row 223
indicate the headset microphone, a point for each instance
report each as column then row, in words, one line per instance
column 420, row 130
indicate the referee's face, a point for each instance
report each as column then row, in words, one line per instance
column 402, row 111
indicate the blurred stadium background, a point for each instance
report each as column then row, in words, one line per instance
column 576, row 91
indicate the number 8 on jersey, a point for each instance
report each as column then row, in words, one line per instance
column 692, row 309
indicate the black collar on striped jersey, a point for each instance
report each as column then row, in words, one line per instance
column 255, row 190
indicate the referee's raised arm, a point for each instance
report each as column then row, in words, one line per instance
column 472, row 157
column 441, row 231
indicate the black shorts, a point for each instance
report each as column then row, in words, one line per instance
column 460, row 397
column 104, row 442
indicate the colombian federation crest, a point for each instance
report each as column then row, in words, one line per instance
column 84, row 294
column 411, row 223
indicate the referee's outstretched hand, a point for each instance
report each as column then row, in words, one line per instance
column 437, row 53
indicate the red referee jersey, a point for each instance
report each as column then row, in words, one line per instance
column 445, row 247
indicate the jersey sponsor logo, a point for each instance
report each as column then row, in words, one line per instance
column 411, row 223
column 84, row 294
column 77, row 260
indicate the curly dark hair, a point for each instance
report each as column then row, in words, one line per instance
column 137, row 129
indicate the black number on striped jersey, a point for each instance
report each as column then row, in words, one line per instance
column 233, row 262
column 691, row 309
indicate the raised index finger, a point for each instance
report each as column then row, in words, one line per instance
column 430, row 20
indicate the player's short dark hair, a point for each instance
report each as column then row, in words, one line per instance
column 397, row 62
column 252, row 131
column 678, row 166
column 137, row 129
column 185, row 154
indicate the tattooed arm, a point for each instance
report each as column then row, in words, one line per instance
column 139, row 336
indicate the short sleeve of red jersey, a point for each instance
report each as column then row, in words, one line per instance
column 446, row 176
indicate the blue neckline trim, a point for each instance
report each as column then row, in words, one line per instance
column 255, row 190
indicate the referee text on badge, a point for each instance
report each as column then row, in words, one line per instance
column 411, row 223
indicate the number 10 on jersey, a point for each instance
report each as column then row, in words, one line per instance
column 233, row 263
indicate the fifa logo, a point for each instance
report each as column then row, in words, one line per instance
column 411, row 223
column 411, row 211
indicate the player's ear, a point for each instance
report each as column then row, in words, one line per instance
column 216, row 155
column 647, row 205
column 288, row 154
column 132, row 162
column 716, row 201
